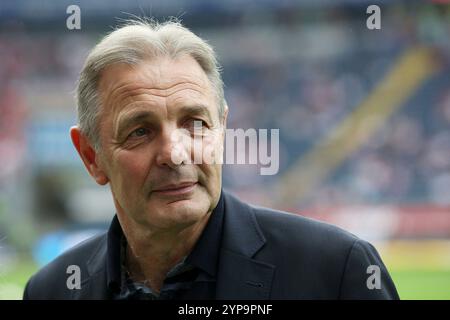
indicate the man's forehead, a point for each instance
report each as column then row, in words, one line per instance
column 160, row 74
column 125, row 86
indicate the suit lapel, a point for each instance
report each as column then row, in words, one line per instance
column 240, row 275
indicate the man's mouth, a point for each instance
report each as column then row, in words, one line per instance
column 176, row 189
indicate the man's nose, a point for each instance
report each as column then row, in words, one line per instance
column 172, row 149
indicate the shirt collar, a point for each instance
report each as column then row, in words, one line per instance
column 204, row 254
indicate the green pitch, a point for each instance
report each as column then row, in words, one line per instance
column 422, row 284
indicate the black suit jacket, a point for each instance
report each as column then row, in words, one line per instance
column 265, row 254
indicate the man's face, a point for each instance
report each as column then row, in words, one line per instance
column 145, row 109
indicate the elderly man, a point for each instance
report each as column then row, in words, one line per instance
column 176, row 234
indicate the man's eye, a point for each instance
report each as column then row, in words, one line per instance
column 140, row 132
column 197, row 123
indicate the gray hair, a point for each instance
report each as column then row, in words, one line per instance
column 132, row 43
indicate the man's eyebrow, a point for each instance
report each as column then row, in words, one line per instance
column 197, row 109
column 131, row 119
column 128, row 120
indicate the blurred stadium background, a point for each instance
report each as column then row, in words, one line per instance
column 364, row 119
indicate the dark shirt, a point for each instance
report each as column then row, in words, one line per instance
column 193, row 278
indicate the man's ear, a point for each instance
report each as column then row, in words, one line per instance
column 88, row 155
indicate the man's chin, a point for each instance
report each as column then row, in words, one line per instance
column 194, row 204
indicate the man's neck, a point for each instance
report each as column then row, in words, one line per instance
column 151, row 254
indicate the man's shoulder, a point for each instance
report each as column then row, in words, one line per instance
column 51, row 280
column 327, row 260
column 293, row 228
column 290, row 232
column 298, row 226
